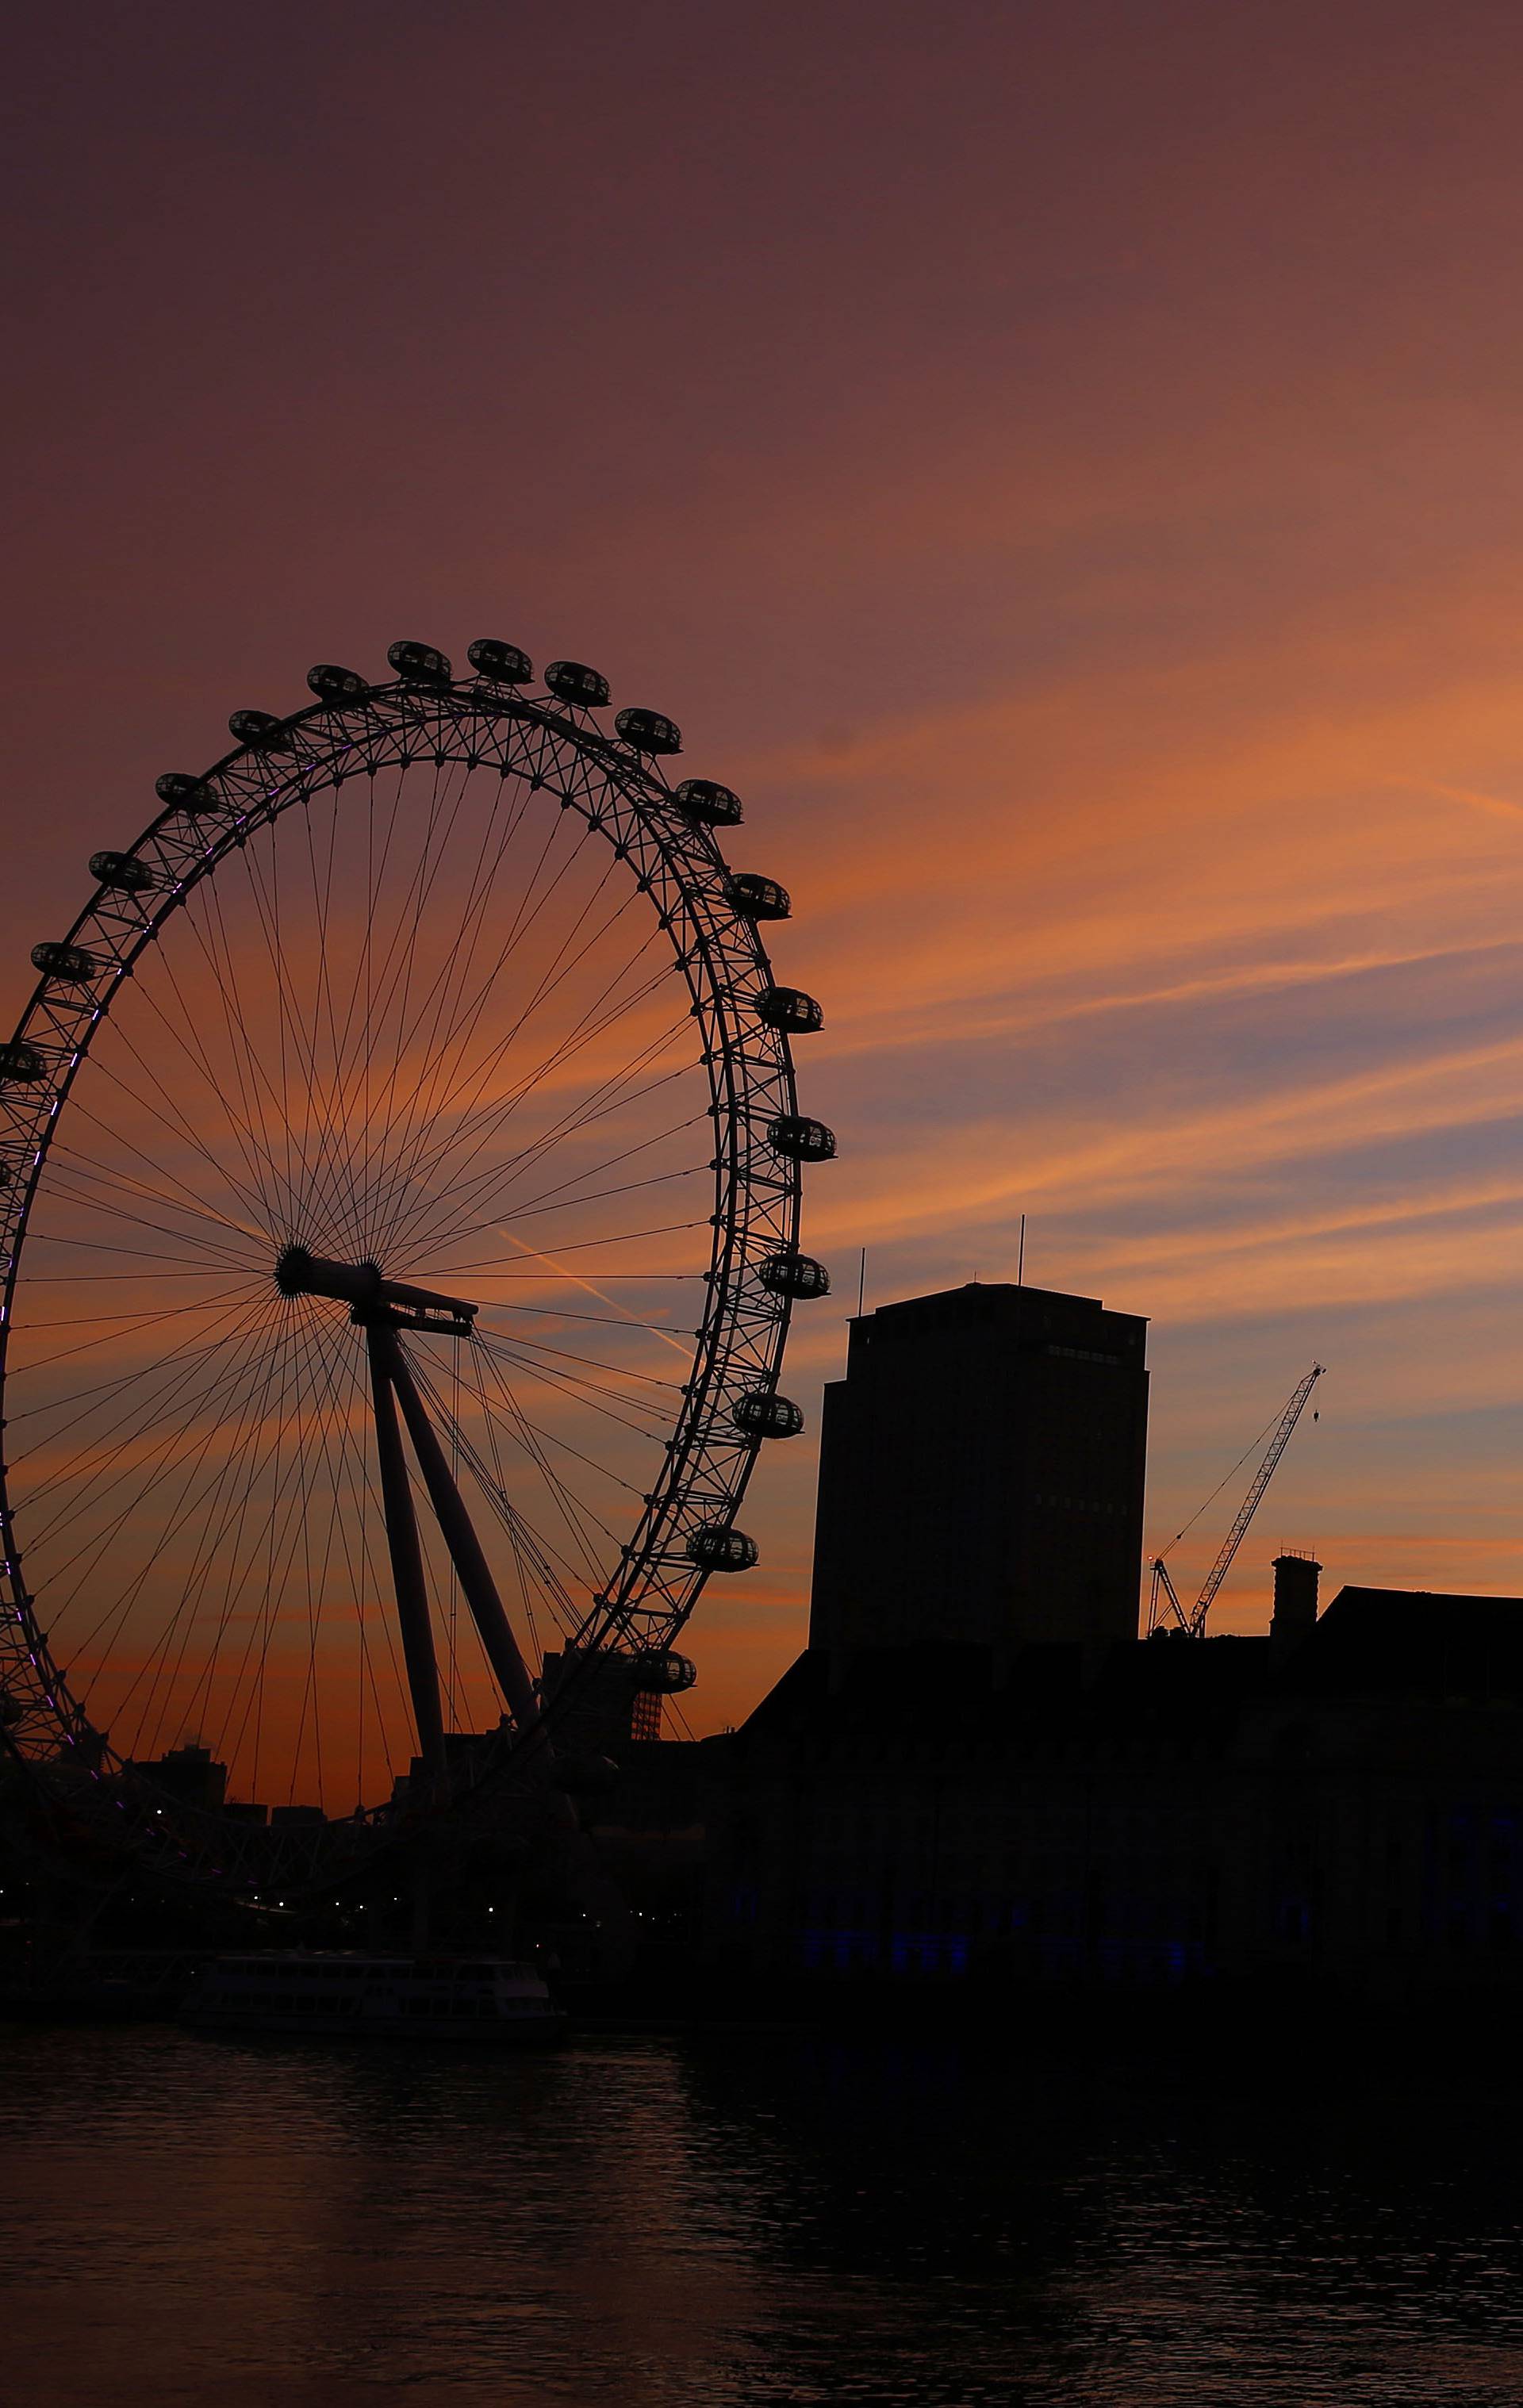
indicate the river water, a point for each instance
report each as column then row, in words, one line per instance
column 754, row 2220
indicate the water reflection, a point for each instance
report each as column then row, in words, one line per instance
column 758, row 2220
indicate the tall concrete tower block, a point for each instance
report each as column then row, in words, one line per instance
column 1296, row 1578
column 982, row 1468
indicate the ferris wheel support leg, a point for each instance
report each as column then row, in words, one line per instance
column 486, row 1606
column 407, row 1559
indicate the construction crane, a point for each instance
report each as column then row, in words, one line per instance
column 1165, row 1600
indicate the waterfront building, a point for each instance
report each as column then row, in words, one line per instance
column 1346, row 1806
column 981, row 1470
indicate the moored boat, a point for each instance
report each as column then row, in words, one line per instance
column 496, row 2000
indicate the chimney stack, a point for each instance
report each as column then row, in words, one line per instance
column 1294, row 1619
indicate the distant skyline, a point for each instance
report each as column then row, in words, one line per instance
column 1060, row 465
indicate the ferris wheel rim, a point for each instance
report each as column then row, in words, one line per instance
column 758, row 1183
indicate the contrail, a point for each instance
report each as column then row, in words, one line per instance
column 578, row 1281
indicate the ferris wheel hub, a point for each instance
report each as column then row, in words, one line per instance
column 369, row 1294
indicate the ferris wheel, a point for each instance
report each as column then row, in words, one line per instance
column 400, row 1168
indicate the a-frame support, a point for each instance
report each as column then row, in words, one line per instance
column 381, row 1307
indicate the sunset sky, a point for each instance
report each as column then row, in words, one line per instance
column 1062, row 464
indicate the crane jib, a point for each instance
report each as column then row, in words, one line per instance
column 1195, row 1622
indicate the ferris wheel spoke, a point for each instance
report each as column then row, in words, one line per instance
column 379, row 997
column 474, row 1180
column 106, row 1546
column 611, row 1094
column 81, row 1190
column 335, row 1443
column 471, row 1139
column 564, row 1198
column 167, row 1387
column 455, row 968
column 231, row 1520
column 374, row 1001
column 177, row 1123
column 414, row 921
column 541, row 1547
column 298, row 1178
column 251, row 1190
column 309, row 1176
column 149, row 1317
column 186, row 1028
column 268, row 1554
column 623, row 1238
column 108, row 1536
column 161, row 1700
column 588, row 1392
column 240, row 1080
column 438, row 1242
column 534, row 1437
column 322, row 887
column 488, row 1470
column 602, row 1319
column 71, row 1405
column 252, row 1560
column 412, row 1137
column 292, row 1037
column 93, row 1174
column 568, row 1203
column 555, row 1385
column 101, row 1247
column 286, row 1534
column 492, row 1480
column 327, row 1113
column 538, row 1347
column 470, row 1091
column 301, row 1364
column 254, row 1084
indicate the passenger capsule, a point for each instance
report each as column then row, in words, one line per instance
column 575, row 682
column 330, row 683
column 183, row 793
column 719, row 1549
column 420, row 662
column 801, row 1140
column 798, row 1276
column 648, row 731
column 714, row 806
column 21, row 1063
column 660, row 1674
column 260, row 730
column 762, row 1414
column 756, row 897
column 122, row 870
column 70, row 963
column 790, row 1009
column 504, row 663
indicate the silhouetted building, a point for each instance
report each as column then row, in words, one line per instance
column 188, row 1774
column 1344, row 1801
column 1296, row 1578
column 982, row 1468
